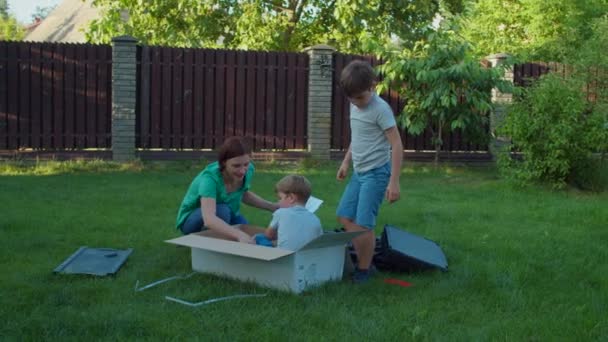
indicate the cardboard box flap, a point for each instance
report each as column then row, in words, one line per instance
column 230, row 247
column 331, row 239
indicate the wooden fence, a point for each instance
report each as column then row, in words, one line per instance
column 57, row 97
column 525, row 74
column 54, row 96
column 193, row 98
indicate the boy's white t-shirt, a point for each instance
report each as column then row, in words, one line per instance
column 369, row 146
column 296, row 226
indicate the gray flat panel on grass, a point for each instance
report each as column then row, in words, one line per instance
column 94, row 261
column 415, row 248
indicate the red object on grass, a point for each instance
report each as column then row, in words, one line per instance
column 397, row 282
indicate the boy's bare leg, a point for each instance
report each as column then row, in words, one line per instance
column 364, row 244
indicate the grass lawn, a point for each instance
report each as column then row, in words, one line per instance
column 525, row 264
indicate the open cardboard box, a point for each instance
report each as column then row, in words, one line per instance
column 319, row 261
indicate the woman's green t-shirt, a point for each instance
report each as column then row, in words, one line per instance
column 210, row 184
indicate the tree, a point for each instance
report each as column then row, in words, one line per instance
column 444, row 89
column 42, row 12
column 557, row 131
column 10, row 29
column 3, row 9
column 532, row 29
column 284, row 25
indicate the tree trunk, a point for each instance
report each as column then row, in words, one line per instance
column 438, row 144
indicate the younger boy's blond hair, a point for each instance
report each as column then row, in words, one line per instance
column 296, row 185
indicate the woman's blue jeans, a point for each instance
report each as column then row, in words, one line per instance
column 194, row 222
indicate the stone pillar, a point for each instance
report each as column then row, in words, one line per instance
column 124, row 90
column 500, row 101
column 319, row 100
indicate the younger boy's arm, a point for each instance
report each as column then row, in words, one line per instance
column 343, row 170
column 393, row 191
column 270, row 233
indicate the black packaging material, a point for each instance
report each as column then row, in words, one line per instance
column 401, row 251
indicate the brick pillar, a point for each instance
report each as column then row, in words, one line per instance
column 500, row 101
column 319, row 100
column 124, row 84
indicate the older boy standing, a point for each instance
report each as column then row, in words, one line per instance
column 376, row 152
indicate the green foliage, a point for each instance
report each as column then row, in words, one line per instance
column 531, row 29
column 444, row 89
column 556, row 130
column 42, row 12
column 3, row 9
column 593, row 51
column 10, row 29
column 265, row 25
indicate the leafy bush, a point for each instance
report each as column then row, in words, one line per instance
column 444, row 88
column 557, row 131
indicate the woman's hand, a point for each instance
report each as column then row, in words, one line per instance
column 246, row 239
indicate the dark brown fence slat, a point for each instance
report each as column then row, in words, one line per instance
column 187, row 105
column 104, row 109
column 80, row 114
column 91, row 96
column 36, row 93
column 166, row 98
column 260, row 117
column 220, row 97
column 70, row 95
column 199, row 98
column 47, row 98
column 269, row 109
column 177, row 98
column 240, row 96
column 57, row 86
column 210, row 88
column 13, row 106
column 230, row 91
column 250, row 96
column 24, row 112
column 337, row 105
column 155, row 97
column 290, row 80
column 4, row 114
column 302, row 101
column 281, row 96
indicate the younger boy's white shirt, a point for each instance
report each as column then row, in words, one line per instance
column 296, row 226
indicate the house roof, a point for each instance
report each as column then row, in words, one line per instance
column 65, row 23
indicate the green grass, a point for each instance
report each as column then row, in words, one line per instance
column 525, row 264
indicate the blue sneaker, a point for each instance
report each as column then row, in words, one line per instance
column 361, row 276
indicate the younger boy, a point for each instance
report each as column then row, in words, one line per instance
column 292, row 225
column 376, row 152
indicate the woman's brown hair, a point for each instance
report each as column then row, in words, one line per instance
column 232, row 147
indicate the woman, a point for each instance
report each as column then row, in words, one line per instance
column 214, row 197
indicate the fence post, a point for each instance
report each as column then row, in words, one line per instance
column 124, row 84
column 500, row 101
column 319, row 100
